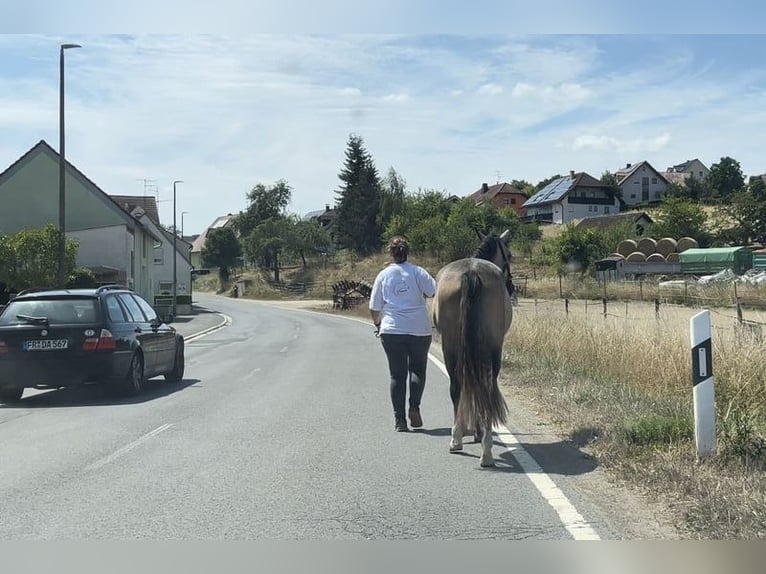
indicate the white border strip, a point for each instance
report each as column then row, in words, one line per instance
column 570, row 518
column 127, row 448
column 225, row 323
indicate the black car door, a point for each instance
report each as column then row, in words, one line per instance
column 166, row 337
column 143, row 331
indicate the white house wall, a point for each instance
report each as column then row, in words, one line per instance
column 104, row 246
column 632, row 187
column 565, row 212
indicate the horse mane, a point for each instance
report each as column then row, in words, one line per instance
column 488, row 248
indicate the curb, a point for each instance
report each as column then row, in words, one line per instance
column 198, row 335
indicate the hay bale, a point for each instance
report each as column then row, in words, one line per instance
column 673, row 258
column 647, row 246
column 666, row 246
column 636, row 257
column 626, row 247
column 686, row 243
column 620, row 255
column 656, row 258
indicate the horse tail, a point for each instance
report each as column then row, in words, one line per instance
column 481, row 401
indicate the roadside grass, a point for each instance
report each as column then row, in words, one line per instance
column 621, row 389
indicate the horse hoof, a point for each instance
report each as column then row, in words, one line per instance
column 455, row 447
column 487, row 464
column 477, row 437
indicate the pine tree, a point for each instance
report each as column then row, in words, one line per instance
column 358, row 200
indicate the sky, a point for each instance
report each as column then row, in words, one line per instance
column 449, row 111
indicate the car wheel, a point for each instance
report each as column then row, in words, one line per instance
column 133, row 383
column 10, row 395
column 177, row 374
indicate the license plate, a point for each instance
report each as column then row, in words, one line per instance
column 46, row 345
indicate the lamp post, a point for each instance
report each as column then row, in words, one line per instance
column 175, row 252
column 182, row 222
column 62, row 175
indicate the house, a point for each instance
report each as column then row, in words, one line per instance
column 501, row 195
column 639, row 219
column 690, row 167
column 117, row 246
column 326, row 218
column 144, row 209
column 641, row 183
column 569, row 198
column 199, row 242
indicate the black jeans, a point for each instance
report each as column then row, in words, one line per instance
column 407, row 359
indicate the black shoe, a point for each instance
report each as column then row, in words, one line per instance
column 401, row 425
column 415, row 420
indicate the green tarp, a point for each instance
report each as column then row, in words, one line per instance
column 714, row 259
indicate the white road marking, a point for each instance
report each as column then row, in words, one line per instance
column 127, row 448
column 572, row 520
column 225, row 323
column 283, row 349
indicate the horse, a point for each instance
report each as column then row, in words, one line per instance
column 472, row 311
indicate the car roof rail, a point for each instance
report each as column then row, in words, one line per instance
column 110, row 287
column 33, row 290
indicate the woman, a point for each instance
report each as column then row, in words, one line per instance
column 398, row 309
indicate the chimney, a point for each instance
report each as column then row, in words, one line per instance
column 327, row 207
column 571, row 173
column 484, row 187
column 627, row 165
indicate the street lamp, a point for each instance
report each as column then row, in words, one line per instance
column 62, row 176
column 182, row 222
column 175, row 252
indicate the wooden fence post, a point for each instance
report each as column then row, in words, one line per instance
column 566, row 305
column 604, row 302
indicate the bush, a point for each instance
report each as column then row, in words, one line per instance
column 655, row 429
column 82, row 278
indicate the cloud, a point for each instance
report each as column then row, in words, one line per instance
column 632, row 145
column 396, row 98
column 490, row 90
column 354, row 92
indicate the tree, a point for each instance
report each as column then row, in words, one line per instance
column 392, row 192
column 610, row 180
column 745, row 216
column 29, row 258
column 681, row 218
column 358, row 200
column 264, row 202
column 307, row 237
column 577, row 249
column 524, row 187
column 725, row 178
column 223, row 250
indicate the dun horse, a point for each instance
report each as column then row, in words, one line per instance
column 472, row 312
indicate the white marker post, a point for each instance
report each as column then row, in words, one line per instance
column 702, row 379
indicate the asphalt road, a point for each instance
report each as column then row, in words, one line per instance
column 282, row 428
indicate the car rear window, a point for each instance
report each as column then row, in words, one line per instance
column 69, row 311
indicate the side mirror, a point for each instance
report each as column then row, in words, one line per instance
column 156, row 322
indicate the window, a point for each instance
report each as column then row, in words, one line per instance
column 506, row 201
column 134, row 311
column 606, row 209
column 513, row 201
column 146, row 308
column 657, row 195
column 632, row 196
column 654, row 180
column 115, row 310
column 70, row 311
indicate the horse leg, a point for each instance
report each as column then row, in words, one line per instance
column 486, row 441
column 486, row 448
column 456, row 443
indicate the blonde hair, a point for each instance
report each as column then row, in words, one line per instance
column 398, row 248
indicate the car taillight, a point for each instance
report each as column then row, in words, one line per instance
column 104, row 342
column 3, row 348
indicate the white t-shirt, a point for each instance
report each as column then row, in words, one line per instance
column 398, row 292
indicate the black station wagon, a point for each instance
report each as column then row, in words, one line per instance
column 62, row 338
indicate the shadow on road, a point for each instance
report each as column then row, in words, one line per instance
column 99, row 395
column 561, row 457
column 196, row 311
